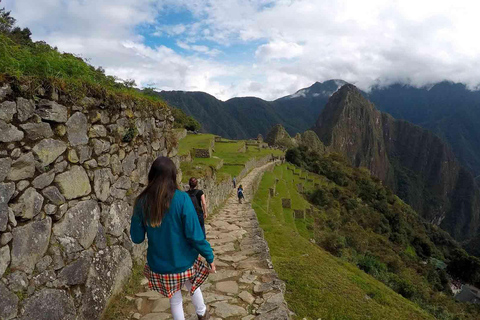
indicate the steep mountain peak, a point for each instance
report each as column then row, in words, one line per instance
column 349, row 104
column 351, row 125
column 318, row 89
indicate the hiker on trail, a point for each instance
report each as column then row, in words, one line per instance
column 234, row 180
column 175, row 239
column 199, row 203
column 240, row 194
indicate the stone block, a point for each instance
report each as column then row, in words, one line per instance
column 30, row 242
column 5, row 165
column 271, row 192
column 8, row 303
column 43, row 180
column 49, row 304
column 299, row 214
column 117, row 218
column 77, row 126
column 37, row 131
column 286, row 203
column 25, row 109
column 85, row 217
column 74, row 183
column 299, row 187
column 6, row 192
column 4, row 259
column 22, row 168
column 202, row 153
column 52, row 111
column 9, row 133
column 29, row 204
column 48, row 150
column 108, row 272
column 7, row 110
column 53, row 194
column 101, row 183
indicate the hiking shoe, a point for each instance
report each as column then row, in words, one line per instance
column 206, row 316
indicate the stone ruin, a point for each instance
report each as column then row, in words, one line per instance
column 299, row 214
column 286, row 203
column 68, row 177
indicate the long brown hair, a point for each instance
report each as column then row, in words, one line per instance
column 156, row 197
column 192, row 183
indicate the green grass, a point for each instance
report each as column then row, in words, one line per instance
column 191, row 141
column 38, row 65
column 320, row 285
column 233, row 160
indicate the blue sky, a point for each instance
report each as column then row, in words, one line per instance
column 263, row 48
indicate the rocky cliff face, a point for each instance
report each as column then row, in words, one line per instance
column 412, row 161
column 350, row 125
column 68, row 178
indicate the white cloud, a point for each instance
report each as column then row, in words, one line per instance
column 279, row 50
column 364, row 42
column 297, row 41
column 170, row 30
column 198, row 48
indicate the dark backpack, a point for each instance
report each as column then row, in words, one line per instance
column 193, row 197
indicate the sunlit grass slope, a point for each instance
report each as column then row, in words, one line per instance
column 319, row 285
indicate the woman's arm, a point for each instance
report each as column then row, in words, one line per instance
column 204, row 206
column 137, row 228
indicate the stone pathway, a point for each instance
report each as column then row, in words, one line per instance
column 245, row 286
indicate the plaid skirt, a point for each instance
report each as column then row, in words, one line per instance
column 168, row 284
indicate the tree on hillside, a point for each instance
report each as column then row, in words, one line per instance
column 17, row 34
column 6, row 21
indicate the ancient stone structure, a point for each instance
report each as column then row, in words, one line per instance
column 271, row 192
column 299, row 214
column 69, row 174
column 286, row 203
column 300, row 187
column 202, row 153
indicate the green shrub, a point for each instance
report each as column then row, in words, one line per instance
column 402, row 286
column 371, row 265
column 334, row 243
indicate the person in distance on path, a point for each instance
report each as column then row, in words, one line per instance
column 240, row 194
column 198, row 199
column 175, row 239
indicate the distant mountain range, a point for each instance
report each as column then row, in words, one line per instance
column 448, row 109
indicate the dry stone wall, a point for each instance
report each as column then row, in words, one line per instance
column 68, row 177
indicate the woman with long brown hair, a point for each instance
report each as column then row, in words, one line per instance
column 175, row 239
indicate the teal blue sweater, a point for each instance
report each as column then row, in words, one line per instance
column 174, row 246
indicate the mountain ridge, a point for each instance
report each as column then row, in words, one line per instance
column 415, row 163
column 448, row 109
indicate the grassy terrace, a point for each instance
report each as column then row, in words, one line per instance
column 319, row 285
column 227, row 151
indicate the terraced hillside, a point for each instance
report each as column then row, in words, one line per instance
column 325, row 276
column 227, row 157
